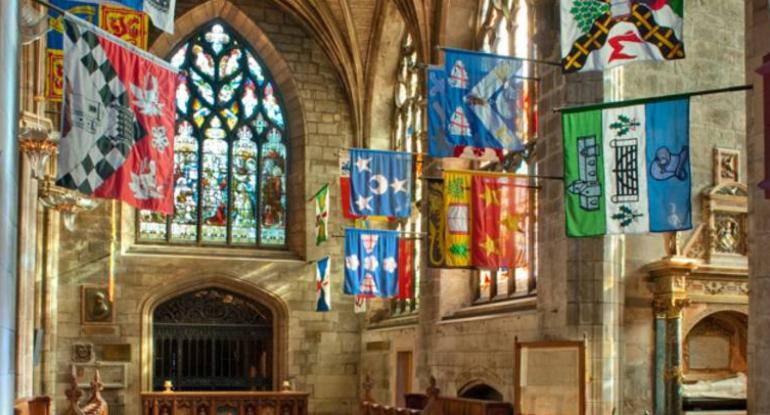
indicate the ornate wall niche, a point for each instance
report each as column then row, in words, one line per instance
column 716, row 347
column 726, row 213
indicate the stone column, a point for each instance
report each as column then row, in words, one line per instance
column 9, row 198
column 670, row 278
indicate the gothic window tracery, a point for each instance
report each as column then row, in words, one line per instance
column 230, row 150
column 505, row 29
column 408, row 134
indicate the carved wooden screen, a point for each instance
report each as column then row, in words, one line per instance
column 212, row 339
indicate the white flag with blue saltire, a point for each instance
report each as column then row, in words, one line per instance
column 627, row 168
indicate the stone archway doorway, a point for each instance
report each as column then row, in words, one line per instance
column 213, row 339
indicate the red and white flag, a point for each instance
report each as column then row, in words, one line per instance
column 118, row 121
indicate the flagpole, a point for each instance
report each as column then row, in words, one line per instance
column 504, row 174
column 133, row 48
column 319, row 191
column 492, row 55
column 602, row 105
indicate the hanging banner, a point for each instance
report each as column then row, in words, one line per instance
column 598, row 35
column 129, row 25
column 434, row 189
column 627, row 168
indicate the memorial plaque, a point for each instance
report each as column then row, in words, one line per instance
column 116, row 352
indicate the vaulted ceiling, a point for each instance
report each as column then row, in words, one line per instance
column 349, row 31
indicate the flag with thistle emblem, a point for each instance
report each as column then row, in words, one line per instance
column 457, row 208
column 322, row 215
column 627, row 168
column 118, row 120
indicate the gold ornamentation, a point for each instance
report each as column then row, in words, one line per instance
column 726, row 166
column 730, row 234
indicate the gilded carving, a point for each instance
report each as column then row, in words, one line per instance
column 730, row 235
column 726, row 165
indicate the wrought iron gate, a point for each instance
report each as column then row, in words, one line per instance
column 212, row 339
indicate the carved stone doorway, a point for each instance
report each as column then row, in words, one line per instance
column 212, row 339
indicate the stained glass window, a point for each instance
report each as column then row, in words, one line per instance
column 504, row 29
column 230, row 153
column 408, row 135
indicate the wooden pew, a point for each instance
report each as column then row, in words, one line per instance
column 40, row 405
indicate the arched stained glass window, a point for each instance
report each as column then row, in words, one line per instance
column 230, row 153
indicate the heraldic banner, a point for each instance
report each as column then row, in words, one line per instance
column 483, row 104
column 381, row 183
column 129, row 25
column 457, row 208
column 371, row 262
column 499, row 203
column 118, row 121
column 599, row 34
column 627, row 168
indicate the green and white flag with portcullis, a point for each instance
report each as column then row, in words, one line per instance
column 627, row 168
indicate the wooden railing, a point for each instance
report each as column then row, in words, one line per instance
column 220, row 403
column 33, row 406
column 432, row 403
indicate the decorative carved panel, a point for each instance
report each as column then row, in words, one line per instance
column 727, row 168
column 212, row 306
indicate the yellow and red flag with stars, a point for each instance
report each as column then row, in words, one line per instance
column 127, row 24
column 495, row 222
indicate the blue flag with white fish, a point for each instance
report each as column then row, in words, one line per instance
column 438, row 143
column 380, row 183
column 323, row 285
column 627, row 168
column 371, row 262
column 482, row 101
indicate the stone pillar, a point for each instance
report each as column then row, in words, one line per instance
column 9, row 198
column 670, row 278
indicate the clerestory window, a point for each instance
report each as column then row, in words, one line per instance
column 505, row 29
column 230, row 148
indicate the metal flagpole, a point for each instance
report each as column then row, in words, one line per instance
column 492, row 55
column 638, row 101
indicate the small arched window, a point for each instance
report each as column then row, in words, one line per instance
column 230, row 155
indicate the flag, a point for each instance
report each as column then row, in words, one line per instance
column 457, row 208
column 436, row 222
column 627, row 168
column 117, row 123
column 127, row 24
column 345, row 186
column 405, row 268
column 599, row 34
column 371, row 266
column 764, row 70
column 482, row 104
column 495, row 220
column 322, row 215
column 438, row 145
column 380, row 183
column 323, row 285
column 161, row 12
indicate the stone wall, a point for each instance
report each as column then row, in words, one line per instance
column 713, row 33
column 322, row 349
column 757, row 47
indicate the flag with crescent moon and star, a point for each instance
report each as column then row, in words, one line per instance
column 380, row 183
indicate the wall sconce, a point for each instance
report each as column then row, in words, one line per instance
column 65, row 201
column 37, row 142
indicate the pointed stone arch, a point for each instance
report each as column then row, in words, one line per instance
column 167, row 291
column 190, row 23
